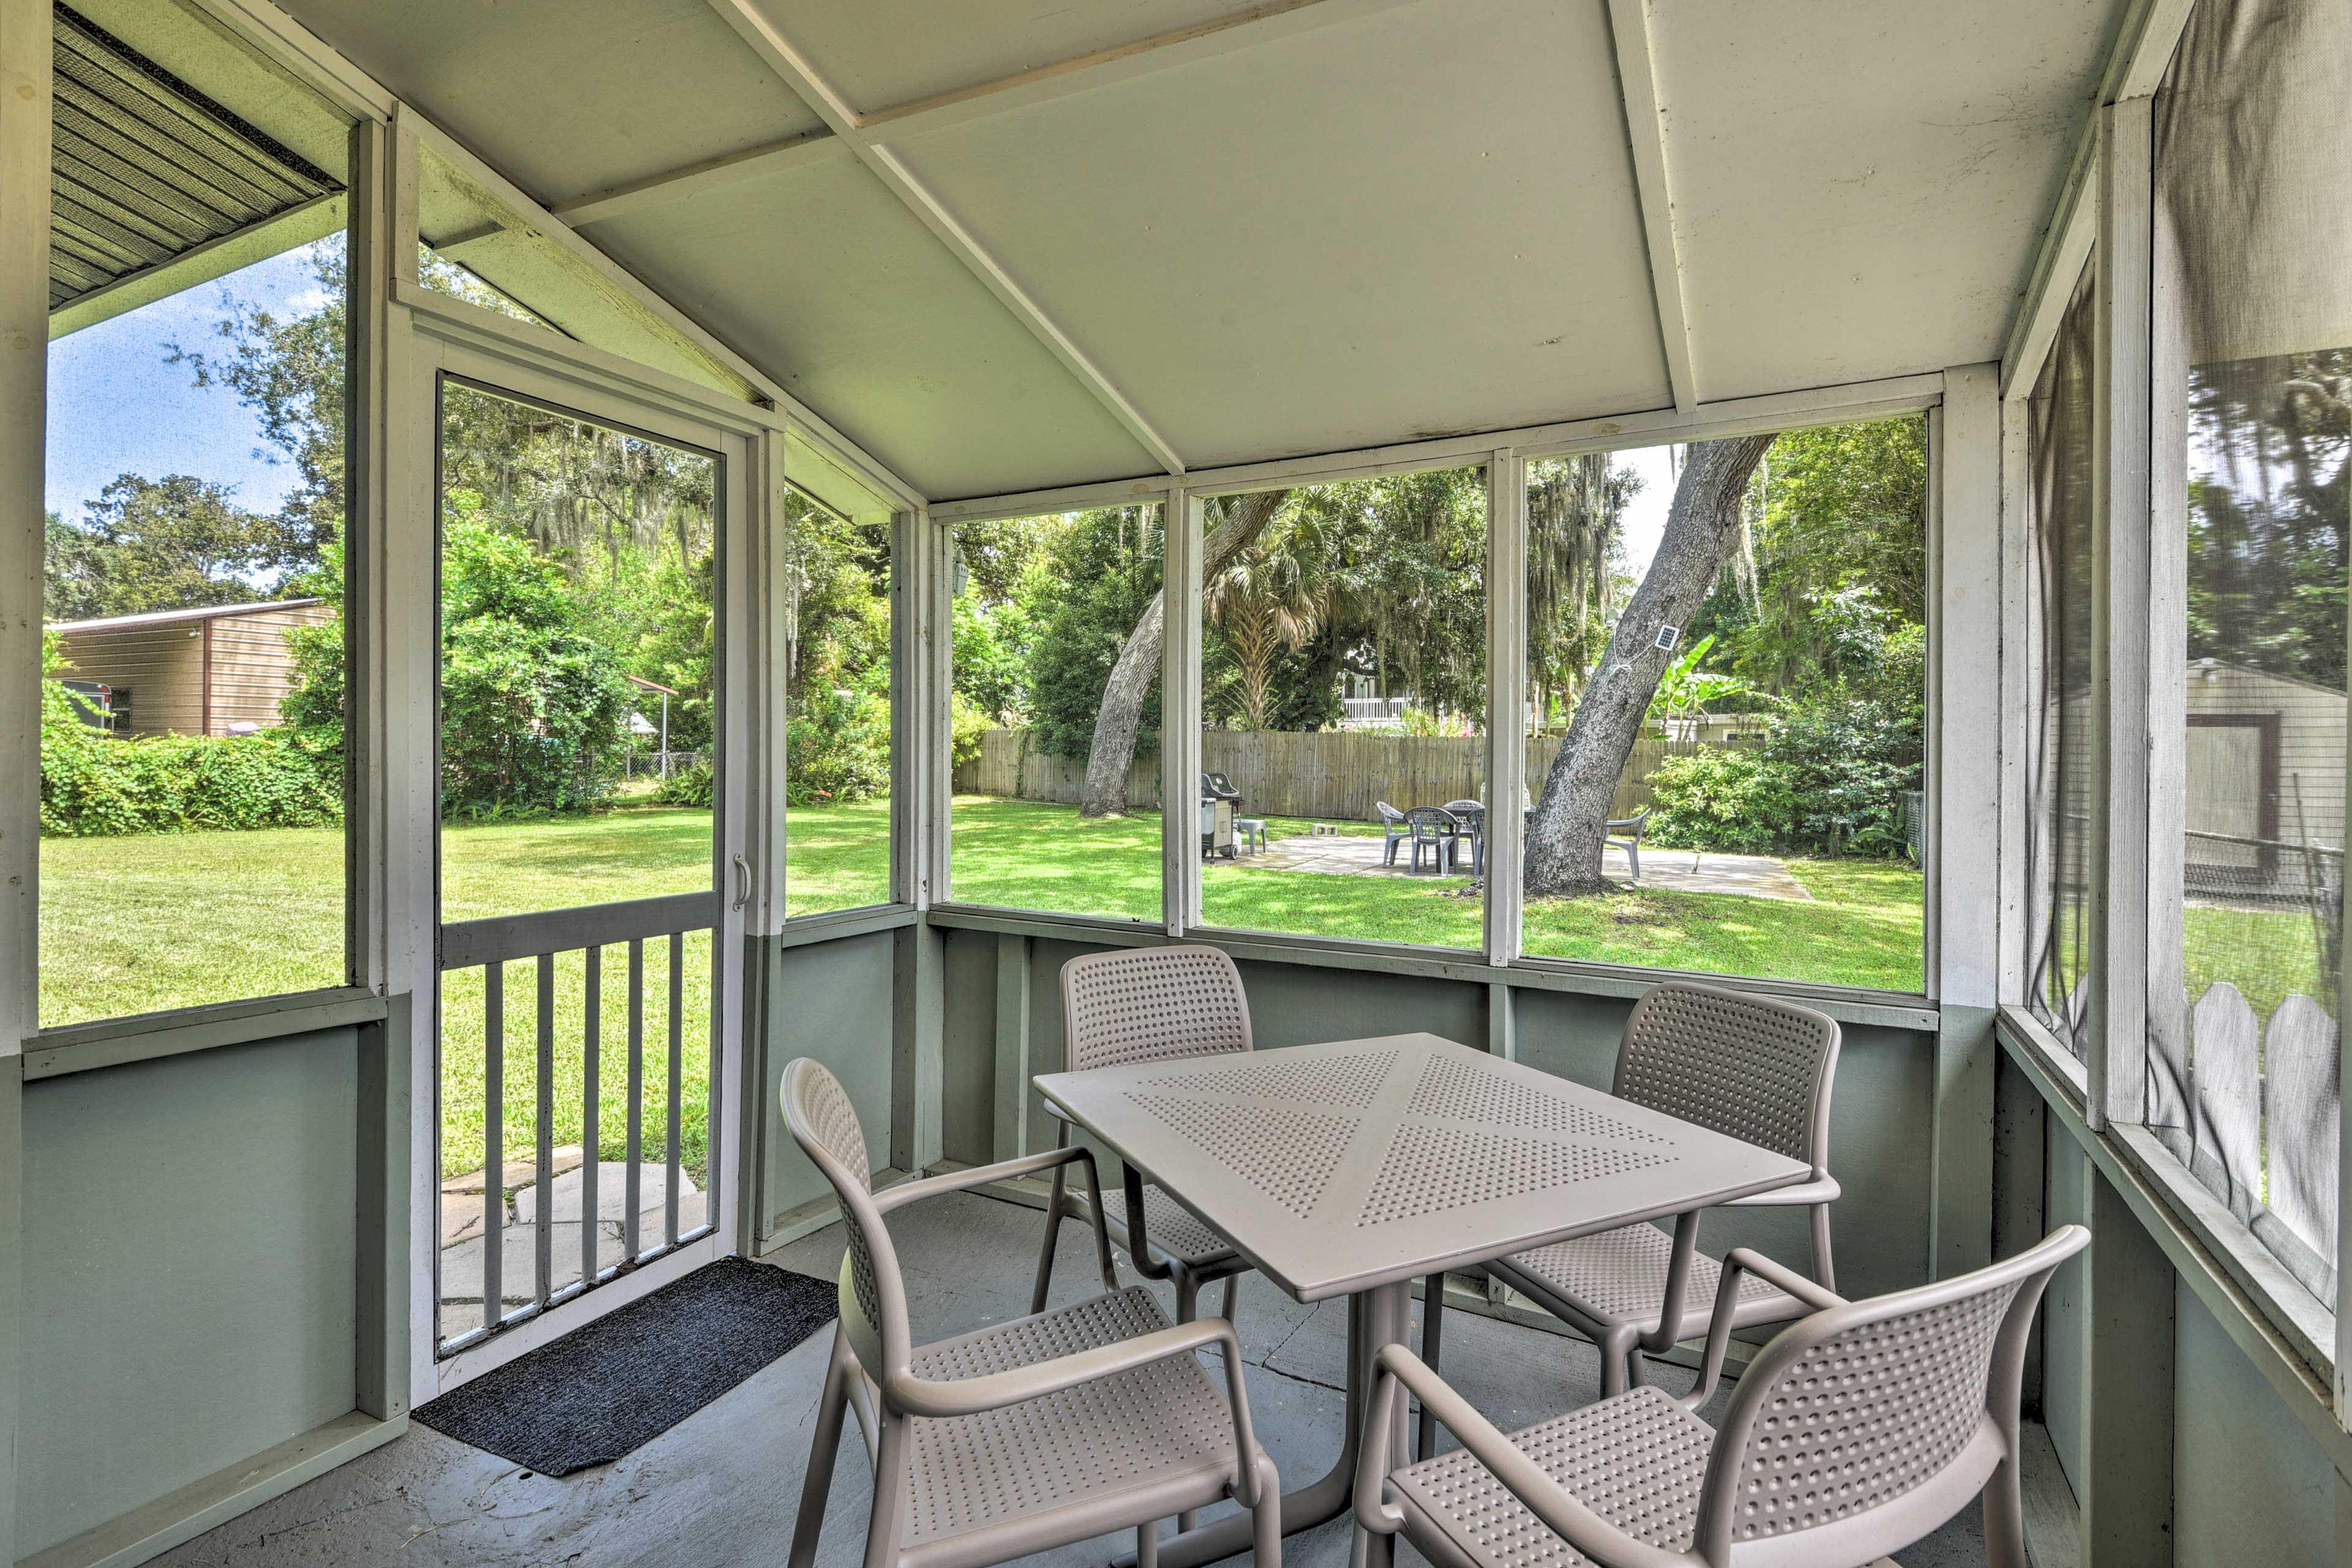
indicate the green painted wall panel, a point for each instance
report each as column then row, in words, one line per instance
column 2066, row 1309
column 2248, row 1485
column 190, row 1268
column 967, row 1114
column 830, row 1000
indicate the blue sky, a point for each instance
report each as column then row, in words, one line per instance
column 115, row 407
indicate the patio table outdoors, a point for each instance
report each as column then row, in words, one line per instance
column 1356, row 1167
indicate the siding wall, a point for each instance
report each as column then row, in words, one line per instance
column 252, row 668
column 164, row 666
column 161, row 666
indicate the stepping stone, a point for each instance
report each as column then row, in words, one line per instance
column 564, row 1203
column 461, row 1217
column 461, row 1264
column 517, row 1172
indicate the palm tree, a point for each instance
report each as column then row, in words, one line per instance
column 1264, row 604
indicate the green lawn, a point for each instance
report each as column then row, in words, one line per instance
column 133, row 925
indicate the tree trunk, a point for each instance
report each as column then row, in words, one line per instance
column 1564, row 836
column 1121, row 717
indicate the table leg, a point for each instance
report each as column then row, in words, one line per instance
column 1380, row 1316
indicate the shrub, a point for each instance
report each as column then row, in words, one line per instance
column 1827, row 778
column 92, row 786
column 687, row 787
column 533, row 710
column 837, row 748
column 970, row 721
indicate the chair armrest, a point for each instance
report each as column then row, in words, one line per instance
column 1812, row 1294
column 1820, row 1190
column 1550, row 1501
column 905, row 1192
column 971, row 1395
column 1745, row 1261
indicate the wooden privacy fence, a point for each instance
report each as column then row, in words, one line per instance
column 1331, row 774
column 2259, row 1127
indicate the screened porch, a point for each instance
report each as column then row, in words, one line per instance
column 1477, row 717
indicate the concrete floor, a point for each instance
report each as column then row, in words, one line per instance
column 722, row 1487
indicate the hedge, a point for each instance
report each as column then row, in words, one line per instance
column 92, row 786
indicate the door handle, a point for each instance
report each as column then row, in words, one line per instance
column 743, row 881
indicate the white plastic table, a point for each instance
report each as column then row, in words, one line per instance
column 1355, row 1167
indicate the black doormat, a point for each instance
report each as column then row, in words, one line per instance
column 617, row 1384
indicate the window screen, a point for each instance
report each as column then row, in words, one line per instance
column 2254, row 359
column 2059, row 759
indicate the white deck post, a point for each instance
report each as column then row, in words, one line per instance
column 1963, row 792
column 2119, row 620
column 24, row 394
column 1180, row 711
column 1506, row 700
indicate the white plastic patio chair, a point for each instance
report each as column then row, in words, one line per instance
column 1027, row 1435
column 1751, row 1067
column 1854, row 1433
column 1149, row 1005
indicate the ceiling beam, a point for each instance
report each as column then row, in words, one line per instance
column 1220, row 35
column 796, row 73
column 1123, row 63
column 1646, row 128
column 710, row 174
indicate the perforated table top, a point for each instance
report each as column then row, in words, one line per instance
column 1338, row 1167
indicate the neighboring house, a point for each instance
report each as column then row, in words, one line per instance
column 190, row 672
column 2267, row 772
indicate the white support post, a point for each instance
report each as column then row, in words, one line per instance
column 2167, row 843
column 2119, row 619
column 768, row 544
column 1506, row 700
column 1964, row 729
column 921, row 764
column 24, row 430
column 1180, row 712
column 23, row 396
column 2018, row 704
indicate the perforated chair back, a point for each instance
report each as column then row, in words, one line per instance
column 1871, row 1421
column 1751, row 1067
column 823, row 1122
column 1151, row 1004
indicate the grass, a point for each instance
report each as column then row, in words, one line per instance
column 1864, row 927
column 118, row 915
column 135, row 925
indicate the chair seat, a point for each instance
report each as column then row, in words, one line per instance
column 1637, row 1460
column 1154, row 1426
column 1621, row 1276
column 1170, row 1228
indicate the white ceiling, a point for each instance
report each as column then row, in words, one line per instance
column 1046, row 243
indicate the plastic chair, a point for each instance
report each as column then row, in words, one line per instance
column 1752, row 1068
column 1022, row 1437
column 1854, row 1433
column 1470, row 823
column 1431, row 827
column 1148, row 1004
column 1393, row 831
column 1625, row 832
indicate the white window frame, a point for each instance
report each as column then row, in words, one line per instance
column 1505, row 453
column 2107, row 218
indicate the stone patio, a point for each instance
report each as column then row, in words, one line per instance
column 463, row 1242
column 1668, row 870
